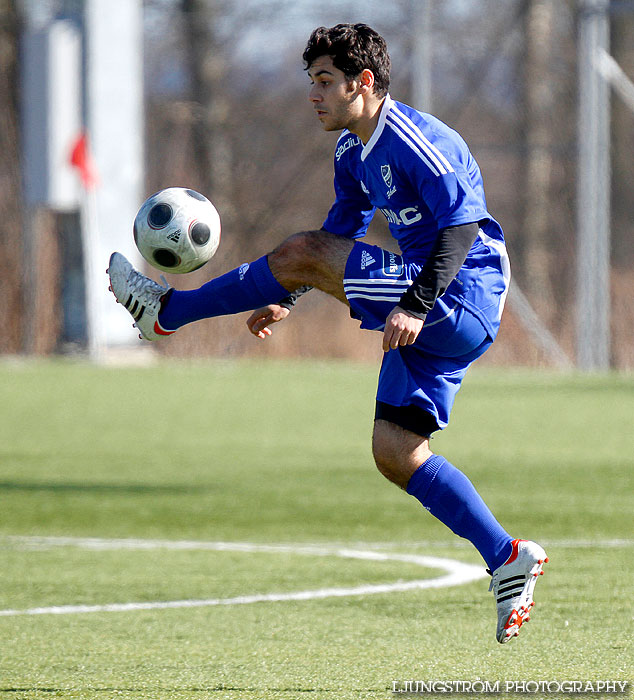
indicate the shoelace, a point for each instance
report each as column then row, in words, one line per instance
column 145, row 288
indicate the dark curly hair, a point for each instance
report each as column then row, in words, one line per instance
column 353, row 48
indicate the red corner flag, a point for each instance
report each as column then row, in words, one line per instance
column 82, row 159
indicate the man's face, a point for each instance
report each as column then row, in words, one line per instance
column 335, row 99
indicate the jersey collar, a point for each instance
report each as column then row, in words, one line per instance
column 376, row 134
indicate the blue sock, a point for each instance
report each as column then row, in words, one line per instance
column 448, row 495
column 247, row 287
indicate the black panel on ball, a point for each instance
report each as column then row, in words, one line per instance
column 159, row 215
column 165, row 258
column 200, row 233
column 196, row 195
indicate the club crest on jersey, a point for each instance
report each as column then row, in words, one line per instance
column 392, row 264
column 386, row 173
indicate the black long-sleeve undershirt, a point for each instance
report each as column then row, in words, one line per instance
column 440, row 268
column 289, row 301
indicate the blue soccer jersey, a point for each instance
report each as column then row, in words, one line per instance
column 422, row 176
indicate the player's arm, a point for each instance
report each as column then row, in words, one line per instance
column 445, row 260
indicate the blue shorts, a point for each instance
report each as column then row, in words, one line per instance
column 427, row 374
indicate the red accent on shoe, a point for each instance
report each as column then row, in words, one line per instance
column 514, row 553
column 161, row 331
column 513, row 619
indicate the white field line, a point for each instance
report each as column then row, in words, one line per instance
column 99, row 543
column 457, row 573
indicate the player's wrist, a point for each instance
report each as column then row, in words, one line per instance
column 413, row 309
column 288, row 302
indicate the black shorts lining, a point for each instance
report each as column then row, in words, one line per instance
column 413, row 418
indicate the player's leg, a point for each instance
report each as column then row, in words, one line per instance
column 314, row 258
column 404, row 458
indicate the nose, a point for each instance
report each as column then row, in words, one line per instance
column 313, row 94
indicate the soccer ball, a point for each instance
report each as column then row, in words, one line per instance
column 177, row 230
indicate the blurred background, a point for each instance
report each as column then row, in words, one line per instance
column 103, row 102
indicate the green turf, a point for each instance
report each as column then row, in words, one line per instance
column 279, row 453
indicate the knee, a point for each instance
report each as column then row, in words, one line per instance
column 390, row 462
column 397, row 452
column 388, row 467
column 295, row 253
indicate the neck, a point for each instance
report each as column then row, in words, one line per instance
column 365, row 125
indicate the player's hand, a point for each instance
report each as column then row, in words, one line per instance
column 259, row 321
column 401, row 328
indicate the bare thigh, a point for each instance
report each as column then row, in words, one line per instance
column 315, row 258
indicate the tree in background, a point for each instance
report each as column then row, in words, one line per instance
column 10, row 189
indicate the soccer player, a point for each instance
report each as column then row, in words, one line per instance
column 438, row 304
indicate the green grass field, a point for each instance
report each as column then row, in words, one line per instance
column 175, row 457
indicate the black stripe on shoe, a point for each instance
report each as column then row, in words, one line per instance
column 127, row 304
column 138, row 316
column 509, row 596
column 134, row 307
column 508, row 589
column 507, row 581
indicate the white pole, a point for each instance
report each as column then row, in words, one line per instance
column 114, row 84
column 593, row 192
column 617, row 77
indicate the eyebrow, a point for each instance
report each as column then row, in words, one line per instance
column 320, row 72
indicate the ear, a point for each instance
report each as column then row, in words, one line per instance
column 366, row 81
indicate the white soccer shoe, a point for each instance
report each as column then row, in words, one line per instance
column 513, row 584
column 140, row 295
